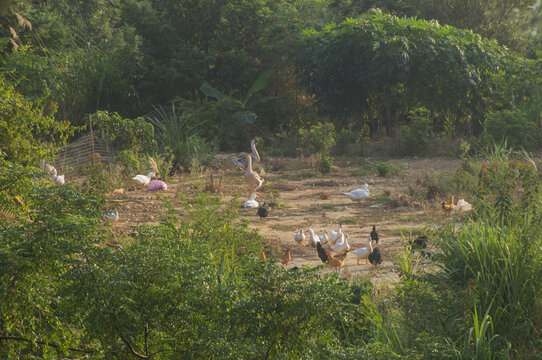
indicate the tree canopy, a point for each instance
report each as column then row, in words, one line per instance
column 380, row 60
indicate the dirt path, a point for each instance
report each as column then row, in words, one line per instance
column 312, row 202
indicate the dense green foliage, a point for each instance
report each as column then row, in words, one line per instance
column 131, row 57
column 180, row 79
column 394, row 65
column 27, row 132
column 196, row 288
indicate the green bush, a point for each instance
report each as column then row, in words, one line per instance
column 136, row 135
column 387, row 169
column 325, row 164
column 413, row 139
column 318, row 139
column 27, row 133
column 316, row 143
column 511, row 127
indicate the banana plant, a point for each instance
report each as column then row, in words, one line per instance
column 247, row 103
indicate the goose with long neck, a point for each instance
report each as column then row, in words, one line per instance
column 255, row 157
column 251, row 177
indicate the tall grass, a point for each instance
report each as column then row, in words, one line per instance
column 480, row 342
column 179, row 134
column 504, row 264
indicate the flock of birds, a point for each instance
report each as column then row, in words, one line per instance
column 337, row 248
column 331, row 247
column 335, row 254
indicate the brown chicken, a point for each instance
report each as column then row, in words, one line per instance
column 448, row 207
column 337, row 261
column 287, row 256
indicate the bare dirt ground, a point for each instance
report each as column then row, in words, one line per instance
column 307, row 200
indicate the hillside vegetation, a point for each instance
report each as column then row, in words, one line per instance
column 169, row 84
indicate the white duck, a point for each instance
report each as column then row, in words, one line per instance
column 113, row 216
column 251, row 177
column 462, row 205
column 364, row 252
column 342, row 246
column 59, row 180
column 242, row 161
column 251, row 203
column 313, row 239
column 334, row 235
column 142, row 180
column 324, row 239
column 358, row 194
column 299, row 237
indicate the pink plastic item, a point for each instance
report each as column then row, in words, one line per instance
column 157, row 185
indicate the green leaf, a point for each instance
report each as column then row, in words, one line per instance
column 210, row 91
column 248, row 117
column 259, row 84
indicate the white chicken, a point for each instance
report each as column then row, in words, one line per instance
column 334, row 235
column 358, row 194
column 299, row 237
column 251, row 203
column 341, row 246
column 462, row 205
column 324, row 239
column 143, row 180
column 364, row 252
column 313, row 239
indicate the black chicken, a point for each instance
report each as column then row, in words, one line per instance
column 374, row 235
column 263, row 211
column 420, row 243
column 321, row 252
column 375, row 257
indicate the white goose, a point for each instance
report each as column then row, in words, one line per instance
column 251, row 177
column 334, row 235
column 324, row 239
column 342, row 246
column 299, row 237
column 364, row 252
column 251, row 203
column 143, row 180
column 59, row 180
column 358, row 194
column 462, row 205
column 313, row 239
column 242, row 161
